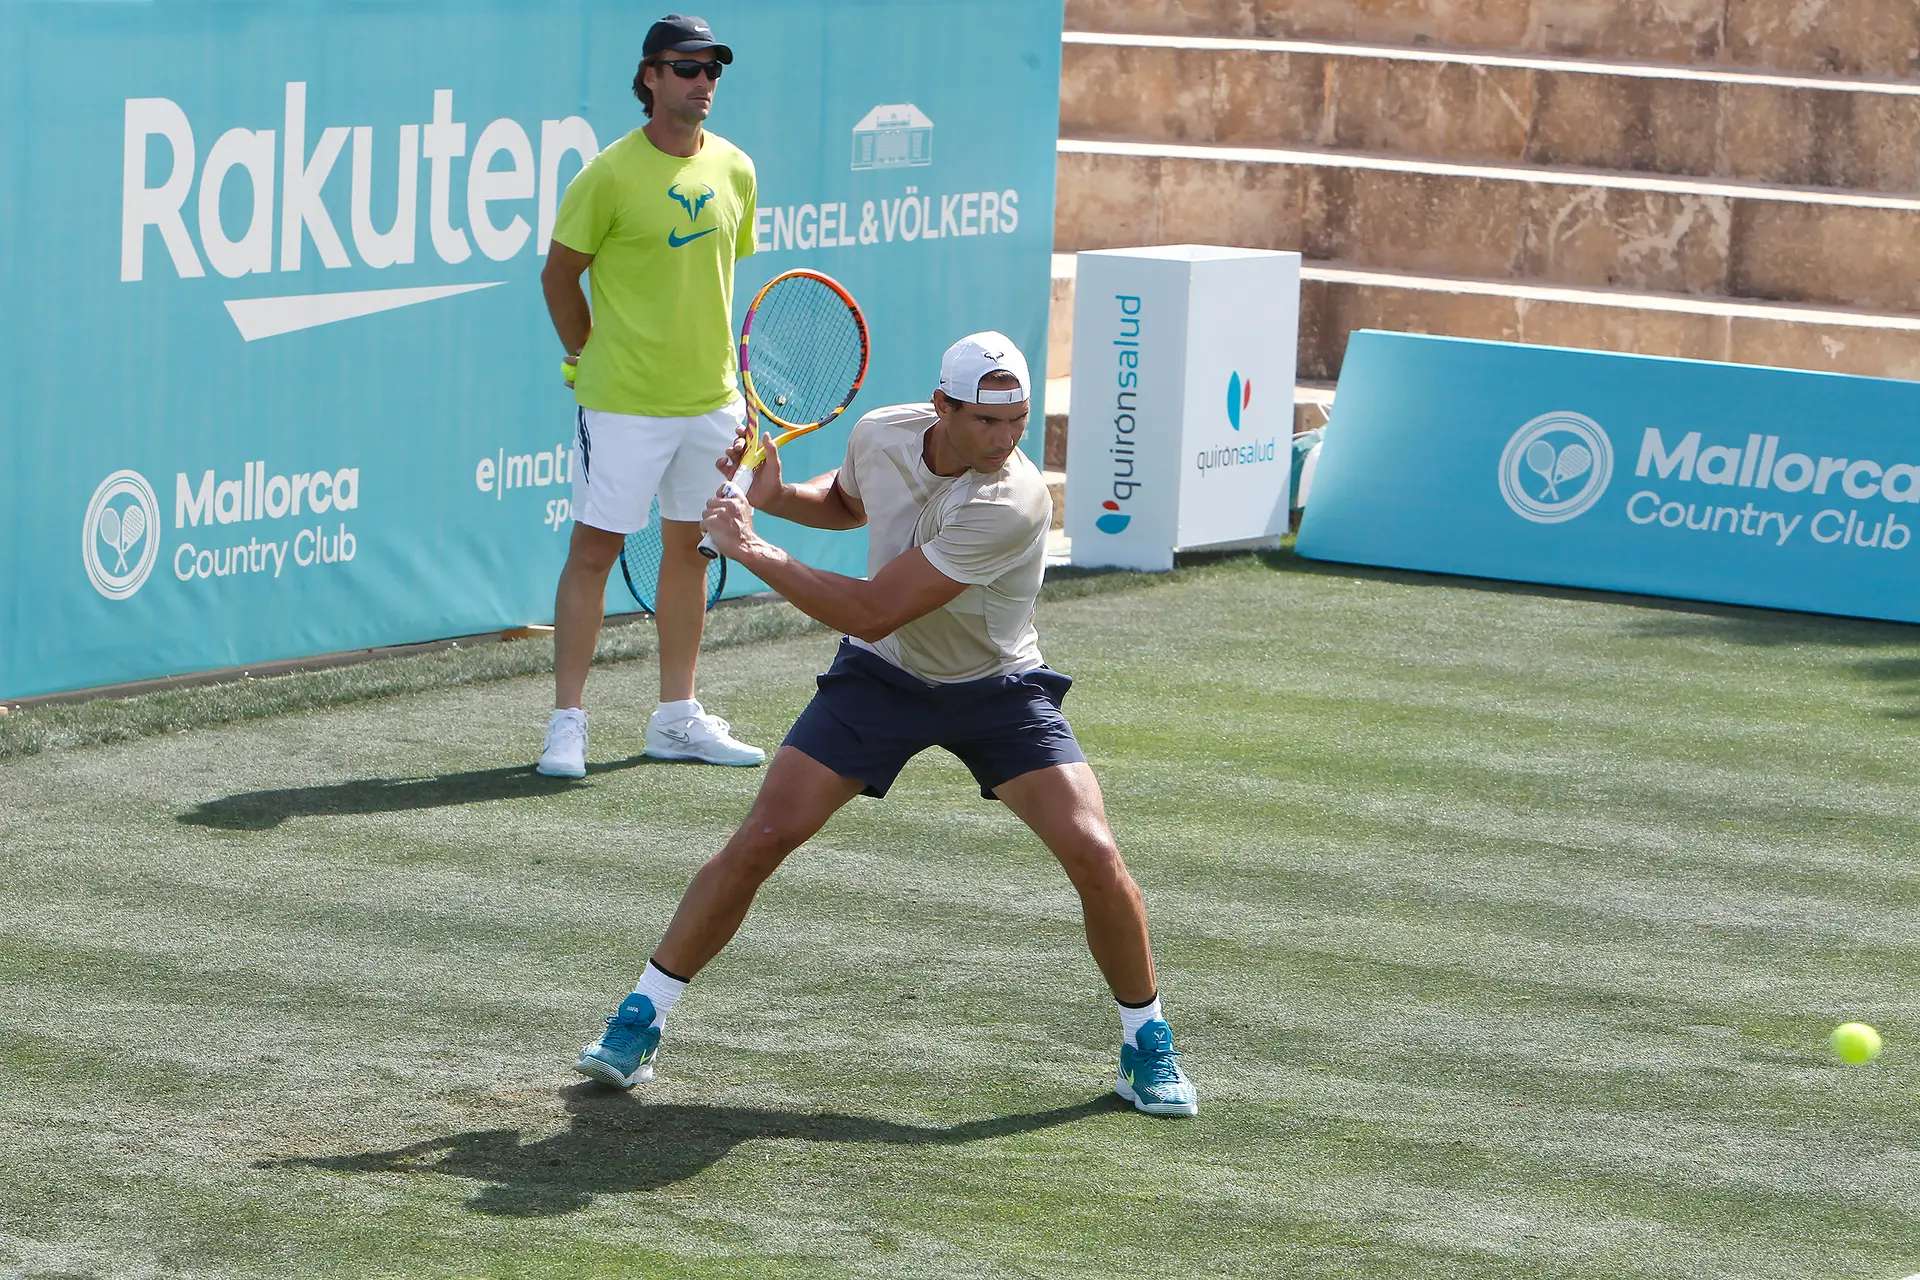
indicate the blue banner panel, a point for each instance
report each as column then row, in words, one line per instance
column 278, row 377
column 1744, row 485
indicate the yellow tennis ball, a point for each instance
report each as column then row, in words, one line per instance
column 1856, row 1043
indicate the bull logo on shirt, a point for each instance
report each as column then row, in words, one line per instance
column 693, row 204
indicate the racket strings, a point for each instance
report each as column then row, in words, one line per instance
column 805, row 352
column 640, row 565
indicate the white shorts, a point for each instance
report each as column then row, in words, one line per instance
column 624, row 461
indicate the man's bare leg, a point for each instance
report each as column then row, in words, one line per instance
column 1064, row 807
column 797, row 798
column 681, row 611
column 795, row 801
column 579, row 607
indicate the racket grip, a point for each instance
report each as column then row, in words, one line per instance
column 727, row 490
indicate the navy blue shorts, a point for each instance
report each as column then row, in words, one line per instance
column 870, row 717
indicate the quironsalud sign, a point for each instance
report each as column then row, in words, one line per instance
column 288, row 386
column 1730, row 483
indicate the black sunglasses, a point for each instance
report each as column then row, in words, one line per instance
column 688, row 68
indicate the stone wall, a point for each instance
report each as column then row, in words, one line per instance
column 1876, row 38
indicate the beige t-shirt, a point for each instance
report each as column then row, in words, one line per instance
column 988, row 531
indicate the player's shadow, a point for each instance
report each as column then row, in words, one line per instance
column 264, row 810
column 618, row 1144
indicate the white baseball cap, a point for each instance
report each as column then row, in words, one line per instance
column 973, row 358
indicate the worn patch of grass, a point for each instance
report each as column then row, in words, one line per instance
column 1502, row 927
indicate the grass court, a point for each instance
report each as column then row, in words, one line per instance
column 1502, row 928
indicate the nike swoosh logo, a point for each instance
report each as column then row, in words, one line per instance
column 677, row 242
column 678, row 735
column 258, row 318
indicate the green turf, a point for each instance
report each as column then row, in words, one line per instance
column 1502, row 928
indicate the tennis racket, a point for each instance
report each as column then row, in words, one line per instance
column 803, row 356
column 640, row 565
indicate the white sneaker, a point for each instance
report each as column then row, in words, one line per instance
column 565, row 755
column 705, row 738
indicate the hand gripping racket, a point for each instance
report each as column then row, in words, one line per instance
column 803, row 356
column 640, row 566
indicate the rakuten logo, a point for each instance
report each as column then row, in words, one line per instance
column 280, row 170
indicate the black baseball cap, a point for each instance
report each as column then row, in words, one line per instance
column 681, row 33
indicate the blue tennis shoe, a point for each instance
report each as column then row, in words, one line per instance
column 1150, row 1078
column 623, row 1055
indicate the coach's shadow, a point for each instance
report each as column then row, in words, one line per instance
column 264, row 810
column 618, row 1144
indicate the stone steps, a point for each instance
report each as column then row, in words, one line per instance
column 1057, row 489
column 1877, row 38
column 1337, row 298
column 1498, row 108
column 1575, row 227
column 1687, row 178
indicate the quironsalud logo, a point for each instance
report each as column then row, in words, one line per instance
column 1239, row 396
column 1556, row 467
column 120, row 538
column 1113, row 520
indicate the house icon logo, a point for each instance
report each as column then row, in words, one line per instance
column 893, row 137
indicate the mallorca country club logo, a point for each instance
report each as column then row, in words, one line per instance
column 120, row 539
column 1239, row 396
column 1556, row 467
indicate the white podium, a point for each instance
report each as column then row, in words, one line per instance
column 1180, row 429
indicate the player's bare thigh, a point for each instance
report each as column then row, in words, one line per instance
column 795, row 801
column 1064, row 806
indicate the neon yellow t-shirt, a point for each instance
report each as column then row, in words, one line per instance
column 664, row 232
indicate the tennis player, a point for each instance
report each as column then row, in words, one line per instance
column 658, row 220
column 940, row 650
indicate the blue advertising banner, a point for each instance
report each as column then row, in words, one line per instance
column 278, row 378
column 1719, row 482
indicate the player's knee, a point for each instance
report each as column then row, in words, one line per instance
column 758, row 849
column 680, row 540
column 1093, row 860
column 594, row 554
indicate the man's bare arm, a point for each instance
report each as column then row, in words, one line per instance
column 819, row 503
column 908, row 587
column 566, row 301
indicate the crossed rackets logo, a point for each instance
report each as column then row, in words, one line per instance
column 1556, row 467
column 120, row 538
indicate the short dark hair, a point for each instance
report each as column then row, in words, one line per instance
column 640, row 89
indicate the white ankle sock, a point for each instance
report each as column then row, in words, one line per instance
column 678, row 710
column 664, row 991
column 1131, row 1020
